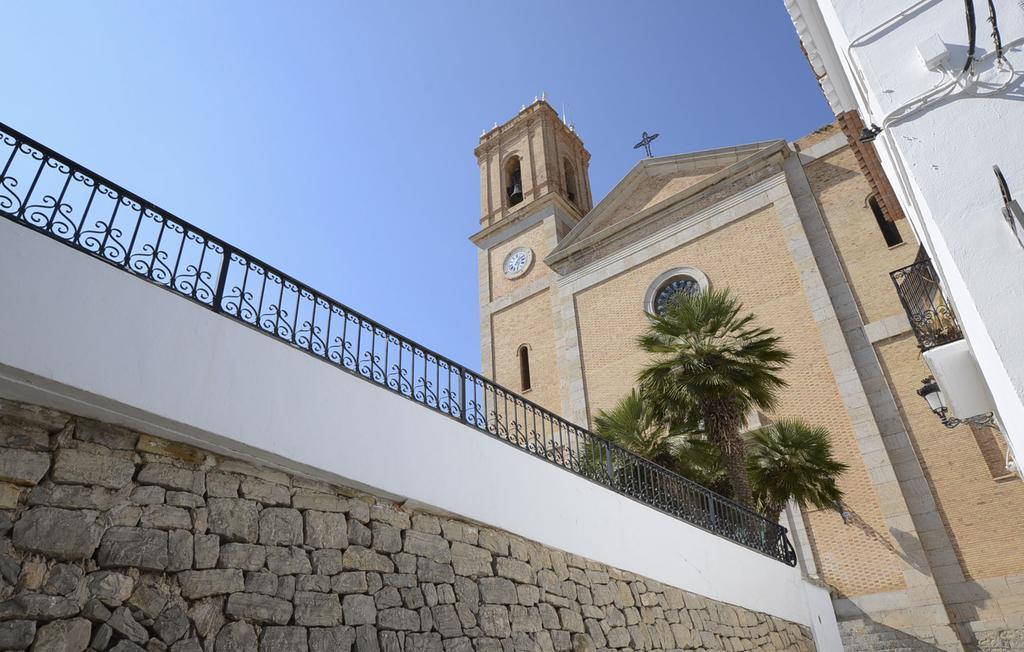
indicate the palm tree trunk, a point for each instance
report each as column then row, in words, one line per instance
column 773, row 512
column 723, row 427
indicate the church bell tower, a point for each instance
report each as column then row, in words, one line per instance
column 534, row 187
column 532, row 156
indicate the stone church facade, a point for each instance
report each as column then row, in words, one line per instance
column 932, row 555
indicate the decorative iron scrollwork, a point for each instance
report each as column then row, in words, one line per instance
column 50, row 194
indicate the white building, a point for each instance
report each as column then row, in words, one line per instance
column 943, row 107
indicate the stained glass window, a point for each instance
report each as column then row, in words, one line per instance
column 671, row 289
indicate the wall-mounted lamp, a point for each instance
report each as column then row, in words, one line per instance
column 868, row 134
column 931, row 393
column 1012, row 212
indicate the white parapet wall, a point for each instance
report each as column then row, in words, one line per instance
column 79, row 335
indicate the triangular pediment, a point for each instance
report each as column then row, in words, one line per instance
column 659, row 182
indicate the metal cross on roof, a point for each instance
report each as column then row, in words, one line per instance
column 645, row 142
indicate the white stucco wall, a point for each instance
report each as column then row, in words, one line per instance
column 940, row 162
column 82, row 336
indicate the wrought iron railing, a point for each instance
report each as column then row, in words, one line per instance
column 931, row 317
column 51, row 194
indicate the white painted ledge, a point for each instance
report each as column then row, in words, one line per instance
column 82, row 336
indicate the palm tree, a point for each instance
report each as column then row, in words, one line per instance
column 635, row 425
column 712, row 365
column 790, row 459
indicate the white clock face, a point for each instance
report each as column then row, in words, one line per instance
column 517, row 262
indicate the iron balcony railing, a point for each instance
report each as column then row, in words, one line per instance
column 49, row 193
column 930, row 315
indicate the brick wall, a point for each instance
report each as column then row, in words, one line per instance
column 110, row 539
column 528, row 322
column 750, row 256
column 842, row 192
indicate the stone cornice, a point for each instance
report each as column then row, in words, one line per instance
column 562, row 259
column 742, row 203
column 519, row 221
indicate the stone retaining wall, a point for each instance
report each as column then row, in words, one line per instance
column 110, row 539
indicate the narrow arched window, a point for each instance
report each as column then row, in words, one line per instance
column 524, row 367
column 513, row 181
column 570, row 180
column 889, row 230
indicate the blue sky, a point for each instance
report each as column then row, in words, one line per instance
column 335, row 139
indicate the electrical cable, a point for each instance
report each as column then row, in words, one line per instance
column 972, row 33
column 996, row 38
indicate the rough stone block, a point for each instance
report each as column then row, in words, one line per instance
column 184, row 499
column 358, row 558
column 283, row 639
column 70, row 635
column 171, row 477
column 165, row 517
column 471, row 561
column 446, row 621
column 207, row 551
column 431, row 546
column 59, row 533
column 35, row 606
column 110, row 587
column 515, row 570
column 351, row 582
column 331, row 639
column 106, row 434
column 318, row 583
column 124, row 547
column 327, row 562
column 23, row 467
column 288, row 561
column 280, row 526
column 24, row 435
column 148, row 495
column 236, row 637
column 148, row 599
column 359, row 535
column 497, row 590
column 268, row 493
column 10, row 494
column 188, row 645
column 207, row 615
column 71, row 496
column 431, row 571
column 72, row 466
column 234, row 519
column 398, row 619
column 494, row 621
column 318, row 609
column 180, row 550
column 265, row 583
column 125, row 624
column 319, row 501
column 259, row 608
column 17, row 634
column 200, row 584
column 221, row 485
column 326, row 530
column 172, row 624
column 246, row 556
column 359, row 609
column 386, row 538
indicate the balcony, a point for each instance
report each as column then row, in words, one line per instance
column 931, row 316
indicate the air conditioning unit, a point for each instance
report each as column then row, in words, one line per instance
column 959, row 377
